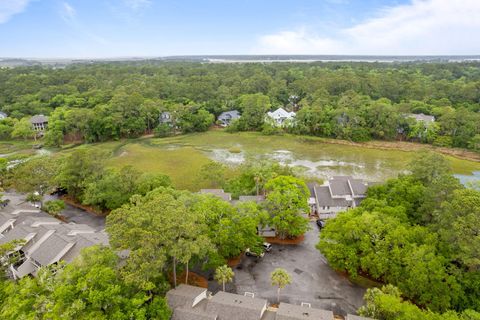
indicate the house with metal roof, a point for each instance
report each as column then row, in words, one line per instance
column 339, row 194
column 3, row 115
column 194, row 303
column 225, row 118
column 39, row 122
column 280, row 117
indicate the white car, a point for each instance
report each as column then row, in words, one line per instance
column 267, row 247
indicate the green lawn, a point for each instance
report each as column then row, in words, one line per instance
column 182, row 165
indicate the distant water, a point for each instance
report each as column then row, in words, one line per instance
column 470, row 180
column 14, row 62
column 322, row 58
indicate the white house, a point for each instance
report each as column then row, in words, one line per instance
column 281, row 117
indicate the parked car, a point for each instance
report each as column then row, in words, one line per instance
column 320, row 223
column 250, row 253
column 267, row 247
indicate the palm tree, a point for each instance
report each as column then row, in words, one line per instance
column 280, row 278
column 223, row 275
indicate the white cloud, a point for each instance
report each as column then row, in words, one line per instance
column 9, row 8
column 137, row 4
column 67, row 12
column 421, row 27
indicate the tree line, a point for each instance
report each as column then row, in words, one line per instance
column 354, row 101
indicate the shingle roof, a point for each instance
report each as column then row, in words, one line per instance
column 39, row 118
column 238, row 301
column 184, row 296
column 359, row 187
column 17, row 233
column 218, row 192
column 339, row 186
column 229, row 115
column 288, row 311
column 352, row 317
column 324, row 198
column 251, row 198
column 52, row 249
column 188, row 291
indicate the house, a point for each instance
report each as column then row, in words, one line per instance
column 194, row 303
column 225, row 118
column 218, row 193
column 46, row 240
column 339, row 194
column 421, row 118
column 39, row 122
column 281, row 117
column 165, row 118
column 3, row 115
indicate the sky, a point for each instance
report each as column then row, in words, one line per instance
column 153, row 28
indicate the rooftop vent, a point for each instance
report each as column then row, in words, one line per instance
column 249, row 294
column 306, row 304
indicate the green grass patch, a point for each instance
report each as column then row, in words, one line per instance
column 183, row 165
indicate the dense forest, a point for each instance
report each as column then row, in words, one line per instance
column 353, row 101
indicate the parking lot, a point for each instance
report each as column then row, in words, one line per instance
column 313, row 280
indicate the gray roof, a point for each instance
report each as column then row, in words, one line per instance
column 17, row 233
column 229, row 115
column 192, row 314
column 39, row 118
column 251, row 198
column 3, row 114
column 52, row 250
column 184, row 296
column 236, row 300
column 218, row 192
column 339, row 186
column 288, row 311
column 188, row 291
column 352, row 317
column 421, row 117
column 359, row 187
column 324, row 198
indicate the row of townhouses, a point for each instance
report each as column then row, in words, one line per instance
column 46, row 240
column 195, row 303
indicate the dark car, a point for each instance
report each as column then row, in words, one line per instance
column 320, row 223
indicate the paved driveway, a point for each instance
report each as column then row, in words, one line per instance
column 313, row 281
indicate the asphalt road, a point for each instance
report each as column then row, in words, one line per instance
column 313, row 280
